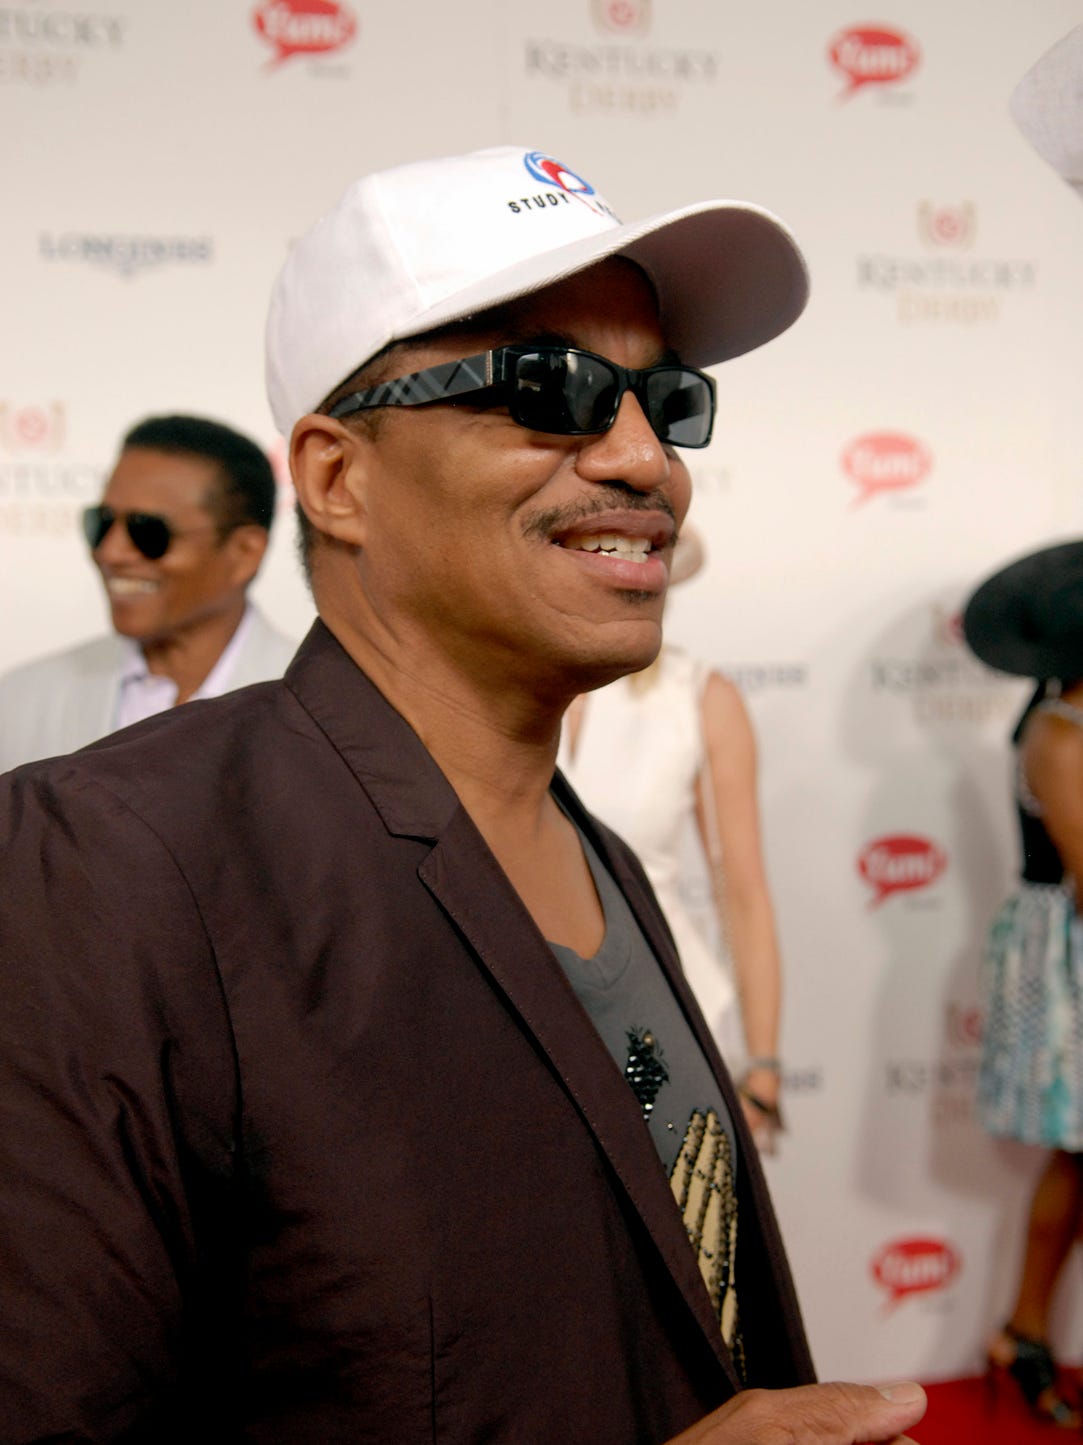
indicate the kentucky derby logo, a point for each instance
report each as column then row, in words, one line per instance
column 41, row 487
column 622, row 17
column 32, row 428
column 914, row 1266
column 869, row 55
column 900, row 864
column 42, row 44
column 953, row 226
column 304, row 27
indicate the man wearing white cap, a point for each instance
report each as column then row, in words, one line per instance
column 356, row 1091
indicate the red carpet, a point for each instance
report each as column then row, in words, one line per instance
column 961, row 1411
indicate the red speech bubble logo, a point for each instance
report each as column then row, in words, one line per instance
column 873, row 55
column 885, row 462
column 304, row 27
column 900, row 863
column 915, row 1266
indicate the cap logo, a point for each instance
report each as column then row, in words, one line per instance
column 570, row 185
column 550, row 172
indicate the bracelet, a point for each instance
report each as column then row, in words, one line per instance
column 769, row 1065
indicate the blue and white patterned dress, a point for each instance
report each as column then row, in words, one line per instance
column 1031, row 1082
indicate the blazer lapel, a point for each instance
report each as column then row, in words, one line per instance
column 467, row 881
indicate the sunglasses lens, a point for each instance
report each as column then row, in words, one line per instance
column 680, row 405
column 566, row 392
column 573, row 393
column 96, row 522
column 150, row 534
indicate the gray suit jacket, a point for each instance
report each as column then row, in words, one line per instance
column 306, row 1138
column 58, row 703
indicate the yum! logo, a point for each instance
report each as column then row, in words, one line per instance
column 915, row 1266
column 873, row 55
column 304, row 27
column 900, row 863
column 885, row 462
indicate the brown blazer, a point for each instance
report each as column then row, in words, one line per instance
column 305, row 1137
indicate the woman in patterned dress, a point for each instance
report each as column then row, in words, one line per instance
column 1028, row 619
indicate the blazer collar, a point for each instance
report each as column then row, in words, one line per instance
column 384, row 753
column 415, row 799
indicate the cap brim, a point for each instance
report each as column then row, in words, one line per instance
column 729, row 276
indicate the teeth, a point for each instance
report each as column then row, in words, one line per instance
column 630, row 549
column 129, row 586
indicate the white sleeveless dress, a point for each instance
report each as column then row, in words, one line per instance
column 638, row 754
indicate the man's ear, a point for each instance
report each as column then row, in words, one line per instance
column 327, row 461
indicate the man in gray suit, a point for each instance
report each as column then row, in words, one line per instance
column 178, row 537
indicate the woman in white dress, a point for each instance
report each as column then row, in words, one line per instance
column 668, row 752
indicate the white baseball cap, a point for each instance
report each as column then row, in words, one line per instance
column 410, row 249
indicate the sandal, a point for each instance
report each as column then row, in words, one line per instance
column 1034, row 1372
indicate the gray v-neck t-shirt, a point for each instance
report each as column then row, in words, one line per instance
column 631, row 1004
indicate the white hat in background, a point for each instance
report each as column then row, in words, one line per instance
column 415, row 247
column 689, row 555
column 1048, row 107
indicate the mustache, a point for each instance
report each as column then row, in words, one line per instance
column 603, row 499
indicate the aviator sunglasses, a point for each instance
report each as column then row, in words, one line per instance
column 149, row 533
column 557, row 389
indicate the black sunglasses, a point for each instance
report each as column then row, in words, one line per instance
column 557, row 389
column 149, row 533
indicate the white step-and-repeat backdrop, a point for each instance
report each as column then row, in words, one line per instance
column 921, row 424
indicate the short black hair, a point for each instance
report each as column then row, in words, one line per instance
column 247, row 491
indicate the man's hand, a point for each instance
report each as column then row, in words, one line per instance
column 812, row 1415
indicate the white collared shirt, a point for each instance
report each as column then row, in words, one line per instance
column 142, row 693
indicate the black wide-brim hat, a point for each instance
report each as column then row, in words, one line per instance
column 1027, row 619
